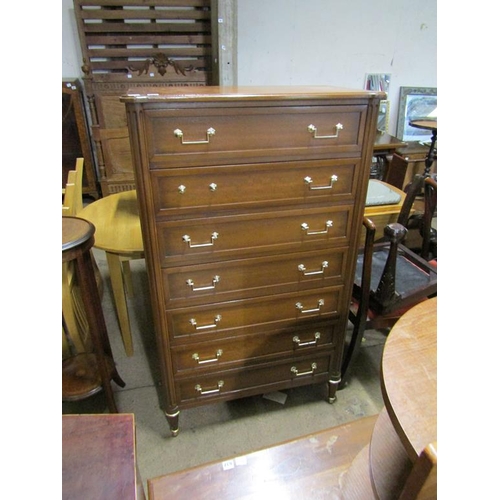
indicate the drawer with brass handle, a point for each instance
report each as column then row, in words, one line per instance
column 243, row 278
column 188, row 190
column 239, row 317
column 256, row 379
column 192, row 135
column 201, row 240
column 249, row 349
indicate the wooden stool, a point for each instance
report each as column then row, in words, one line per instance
column 85, row 374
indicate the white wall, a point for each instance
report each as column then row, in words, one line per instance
column 320, row 42
column 71, row 52
column 336, row 42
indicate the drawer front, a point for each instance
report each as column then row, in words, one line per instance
column 206, row 136
column 260, row 314
column 216, row 238
column 261, row 379
column 187, row 190
column 243, row 278
column 225, row 353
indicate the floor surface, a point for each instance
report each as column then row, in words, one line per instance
column 217, row 431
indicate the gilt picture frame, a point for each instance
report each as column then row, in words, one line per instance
column 415, row 102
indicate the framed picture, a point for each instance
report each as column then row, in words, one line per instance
column 415, row 102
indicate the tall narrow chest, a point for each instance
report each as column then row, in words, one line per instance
column 251, row 201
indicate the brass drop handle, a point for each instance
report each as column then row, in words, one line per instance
column 215, row 280
column 179, row 133
column 296, row 372
column 303, row 268
column 196, row 357
column 313, row 130
column 182, row 189
column 187, row 239
column 305, row 227
column 202, row 392
column 217, row 319
column 300, row 307
column 308, row 180
column 299, row 343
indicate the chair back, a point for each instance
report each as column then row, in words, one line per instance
column 73, row 192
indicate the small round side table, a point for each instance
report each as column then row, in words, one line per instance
column 86, row 374
column 428, row 124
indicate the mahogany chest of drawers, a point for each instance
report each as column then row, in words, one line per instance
column 251, row 201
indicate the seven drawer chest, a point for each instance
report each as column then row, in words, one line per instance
column 251, row 201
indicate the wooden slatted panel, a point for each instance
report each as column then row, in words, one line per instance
column 136, row 37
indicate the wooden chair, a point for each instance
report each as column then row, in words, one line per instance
column 73, row 192
column 422, row 237
column 389, row 280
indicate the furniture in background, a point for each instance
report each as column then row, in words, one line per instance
column 151, row 44
column 76, row 332
column 76, row 137
column 392, row 455
column 118, row 233
column 400, row 460
column 384, row 148
column 251, row 203
column 421, row 236
column 308, row 467
column 389, row 280
column 428, row 124
column 383, row 205
column 429, row 236
column 406, row 163
column 99, row 458
column 85, row 374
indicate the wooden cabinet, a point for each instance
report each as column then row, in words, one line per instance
column 406, row 163
column 139, row 43
column 76, row 137
column 251, row 201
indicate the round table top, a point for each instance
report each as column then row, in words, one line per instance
column 116, row 221
column 409, row 377
column 425, row 123
column 75, row 231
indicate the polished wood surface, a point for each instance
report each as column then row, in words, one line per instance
column 426, row 124
column 116, row 219
column 183, row 140
column 387, row 142
column 401, row 458
column 242, row 93
column 409, row 377
column 118, row 233
column 309, row 467
column 99, row 459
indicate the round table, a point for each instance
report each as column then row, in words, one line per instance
column 87, row 373
column 428, row 124
column 118, row 233
column 409, row 377
column 402, row 454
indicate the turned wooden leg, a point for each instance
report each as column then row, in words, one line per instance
column 173, row 422
column 333, row 384
column 117, row 285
